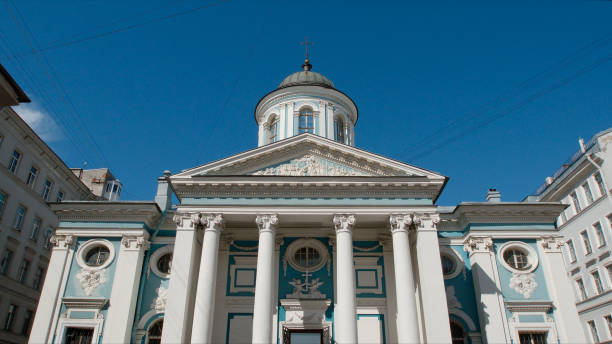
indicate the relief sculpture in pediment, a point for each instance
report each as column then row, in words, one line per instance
column 309, row 165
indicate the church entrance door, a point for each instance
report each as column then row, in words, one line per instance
column 305, row 337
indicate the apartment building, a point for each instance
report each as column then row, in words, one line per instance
column 583, row 184
column 31, row 175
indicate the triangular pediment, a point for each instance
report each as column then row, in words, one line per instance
column 307, row 155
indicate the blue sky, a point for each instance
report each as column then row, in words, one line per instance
column 491, row 94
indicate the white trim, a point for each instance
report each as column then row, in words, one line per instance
column 160, row 252
column 458, row 260
column 532, row 256
column 64, row 323
column 84, row 249
column 548, row 327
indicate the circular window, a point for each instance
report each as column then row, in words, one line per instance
column 161, row 261
column 95, row 254
column 448, row 265
column 306, row 255
column 517, row 256
column 452, row 264
column 164, row 263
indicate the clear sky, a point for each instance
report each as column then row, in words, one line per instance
column 490, row 94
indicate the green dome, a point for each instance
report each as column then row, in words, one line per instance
column 306, row 77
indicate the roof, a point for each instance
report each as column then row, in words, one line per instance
column 21, row 96
column 306, row 77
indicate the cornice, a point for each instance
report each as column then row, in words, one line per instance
column 148, row 212
column 529, row 306
column 496, row 213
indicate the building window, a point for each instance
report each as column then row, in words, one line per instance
column 47, row 238
column 35, row 228
column 533, row 337
column 306, row 121
column 586, row 242
column 608, row 319
column 600, row 184
column 3, row 198
column 47, row 189
column 5, row 262
column 32, row 176
column 272, row 129
column 448, row 265
column 307, row 257
column 60, row 196
column 601, row 239
column 97, row 256
column 10, row 317
column 581, row 289
column 27, row 323
column 339, row 130
column 38, row 278
column 571, row 251
column 155, row 332
column 593, row 329
column 458, row 334
column 78, row 335
column 164, row 263
column 14, row 161
column 576, row 202
column 597, row 282
column 516, row 258
column 609, row 268
column 23, row 271
column 19, row 216
column 563, row 217
column 587, row 192
column 108, row 187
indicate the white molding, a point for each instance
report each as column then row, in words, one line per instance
column 316, row 244
column 64, row 323
column 532, row 256
column 155, row 257
column 82, row 251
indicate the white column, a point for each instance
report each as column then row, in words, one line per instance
column 179, row 307
column 560, row 288
column 201, row 332
column 345, row 309
column 263, row 309
column 43, row 321
column 491, row 309
column 407, row 320
column 431, row 280
column 122, row 304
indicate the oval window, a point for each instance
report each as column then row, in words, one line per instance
column 164, row 263
column 97, row 255
column 516, row 258
column 307, row 257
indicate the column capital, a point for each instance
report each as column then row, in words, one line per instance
column 266, row 222
column 212, row 222
column 62, row 241
column 403, row 222
column 551, row 243
column 185, row 220
column 344, row 222
column 134, row 242
column 427, row 222
column 478, row 245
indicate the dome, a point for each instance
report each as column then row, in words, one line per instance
column 306, row 77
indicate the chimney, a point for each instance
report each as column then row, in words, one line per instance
column 163, row 198
column 493, row 196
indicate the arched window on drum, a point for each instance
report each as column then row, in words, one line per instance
column 339, row 130
column 154, row 333
column 272, row 128
column 306, row 120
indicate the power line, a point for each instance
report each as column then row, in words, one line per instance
column 120, row 29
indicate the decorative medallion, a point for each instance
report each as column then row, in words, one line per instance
column 91, row 279
column 523, row 284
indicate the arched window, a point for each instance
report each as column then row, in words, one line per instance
column 339, row 129
column 457, row 333
column 273, row 130
column 154, row 334
column 306, row 121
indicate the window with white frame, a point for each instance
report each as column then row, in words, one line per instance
column 19, row 217
column 306, row 120
column 518, row 257
column 14, row 161
column 10, row 317
column 60, row 196
column 609, row 268
column 31, row 179
column 608, row 319
column 161, row 261
column 47, row 238
column 5, row 261
column 155, row 332
column 458, row 334
column 78, row 335
column 35, row 228
column 339, row 129
column 563, row 216
column 533, row 337
column 96, row 254
column 575, row 202
column 46, row 189
column 597, row 282
column 272, row 129
column 587, row 192
column 571, row 251
column 600, row 184
column 593, row 329
column 586, row 242
column 581, row 289
column 3, row 199
column 601, row 238
column 22, row 274
column 38, row 278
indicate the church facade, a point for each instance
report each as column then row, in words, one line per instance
column 306, row 239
